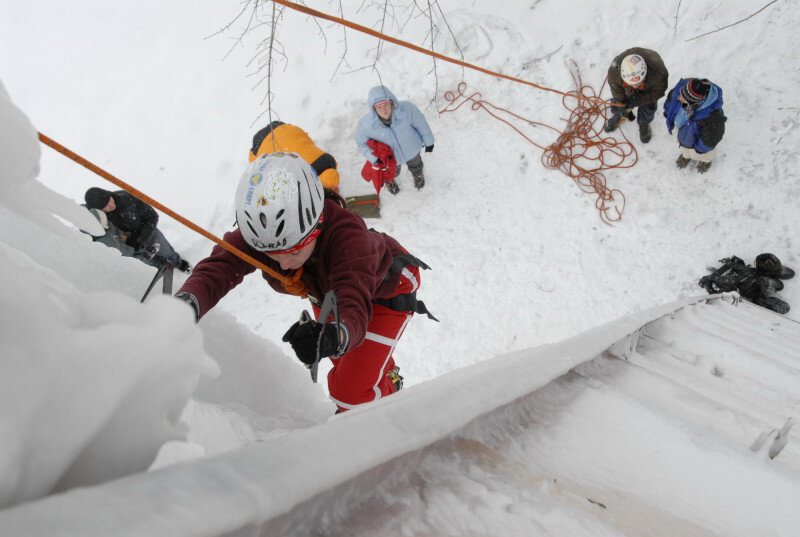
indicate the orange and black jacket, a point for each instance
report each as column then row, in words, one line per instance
column 278, row 136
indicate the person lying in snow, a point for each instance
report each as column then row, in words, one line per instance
column 279, row 136
column 401, row 126
column 130, row 226
column 287, row 221
column 694, row 105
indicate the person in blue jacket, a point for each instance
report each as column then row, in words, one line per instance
column 694, row 105
column 401, row 126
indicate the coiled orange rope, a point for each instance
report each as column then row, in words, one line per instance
column 292, row 284
column 580, row 151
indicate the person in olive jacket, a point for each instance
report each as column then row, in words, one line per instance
column 304, row 233
column 638, row 78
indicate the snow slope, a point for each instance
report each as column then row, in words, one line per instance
column 520, row 256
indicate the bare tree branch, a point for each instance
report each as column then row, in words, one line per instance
column 675, row 28
column 735, row 23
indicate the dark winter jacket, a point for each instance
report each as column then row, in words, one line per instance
column 134, row 216
column 655, row 81
column 113, row 237
column 701, row 127
column 406, row 134
column 348, row 259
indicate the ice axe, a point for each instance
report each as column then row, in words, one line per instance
column 328, row 307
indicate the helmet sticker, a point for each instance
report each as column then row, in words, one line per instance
column 280, row 184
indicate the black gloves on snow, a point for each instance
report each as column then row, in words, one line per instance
column 429, row 148
column 633, row 101
column 303, row 337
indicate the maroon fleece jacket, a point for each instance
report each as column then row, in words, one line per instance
column 348, row 259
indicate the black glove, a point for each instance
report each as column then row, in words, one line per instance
column 630, row 115
column 378, row 162
column 429, row 148
column 633, row 101
column 303, row 336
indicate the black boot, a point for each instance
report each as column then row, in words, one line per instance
column 645, row 134
column 682, row 161
column 613, row 123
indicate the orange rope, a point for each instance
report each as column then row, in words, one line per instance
column 580, row 151
column 406, row 44
column 292, row 284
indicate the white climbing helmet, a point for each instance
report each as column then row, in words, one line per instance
column 278, row 202
column 633, row 69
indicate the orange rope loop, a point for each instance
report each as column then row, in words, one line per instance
column 580, row 151
column 292, row 284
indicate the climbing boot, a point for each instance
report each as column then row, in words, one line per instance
column 392, row 187
column 419, row 181
column 645, row 134
column 703, row 167
column 613, row 123
column 682, row 161
column 397, row 380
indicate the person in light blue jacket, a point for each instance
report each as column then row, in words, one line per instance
column 401, row 126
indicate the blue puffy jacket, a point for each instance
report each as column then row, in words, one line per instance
column 406, row 134
column 701, row 130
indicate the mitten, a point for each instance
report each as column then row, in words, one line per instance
column 429, row 148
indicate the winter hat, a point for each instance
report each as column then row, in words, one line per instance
column 770, row 265
column 695, row 90
column 97, row 198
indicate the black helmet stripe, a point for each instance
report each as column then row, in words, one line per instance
column 300, row 210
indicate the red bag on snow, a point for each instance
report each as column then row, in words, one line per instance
column 378, row 174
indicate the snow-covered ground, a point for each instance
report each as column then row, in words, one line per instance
column 520, row 256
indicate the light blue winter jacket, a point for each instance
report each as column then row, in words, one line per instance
column 406, row 135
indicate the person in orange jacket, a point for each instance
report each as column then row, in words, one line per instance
column 279, row 136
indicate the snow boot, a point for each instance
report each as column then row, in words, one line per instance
column 613, row 123
column 419, row 181
column 772, row 301
column 645, row 134
column 682, row 162
column 392, row 187
column 394, row 376
column 703, row 167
